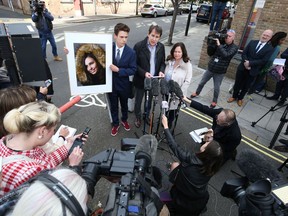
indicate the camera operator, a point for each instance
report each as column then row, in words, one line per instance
column 190, row 178
column 221, row 55
column 43, row 21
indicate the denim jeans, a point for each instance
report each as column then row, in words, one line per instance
column 44, row 37
column 217, row 10
column 217, row 80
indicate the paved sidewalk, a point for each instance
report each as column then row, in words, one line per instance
column 250, row 111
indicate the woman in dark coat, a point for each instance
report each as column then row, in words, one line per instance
column 190, row 177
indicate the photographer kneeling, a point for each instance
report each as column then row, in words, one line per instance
column 221, row 49
column 190, row 178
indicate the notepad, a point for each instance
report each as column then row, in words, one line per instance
column 281, row 194
column 197, row 135
column 72, row 132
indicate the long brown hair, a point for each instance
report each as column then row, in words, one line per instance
column 211, row 158
column 184, row 52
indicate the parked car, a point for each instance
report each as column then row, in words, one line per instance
column 205, row 10
column 170, row 10
column 186, row 8
column 153, row 10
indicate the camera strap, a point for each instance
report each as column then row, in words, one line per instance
column 153, row 196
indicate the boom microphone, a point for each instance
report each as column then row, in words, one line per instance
column 147, row 84
column 255, row 166
column 147, row 144
column 155, row 87
column 164, row 87
column 171, row 86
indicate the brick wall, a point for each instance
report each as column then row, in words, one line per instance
column 273, row 16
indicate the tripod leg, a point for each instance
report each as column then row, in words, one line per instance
column 282, row 165
column 283, row 120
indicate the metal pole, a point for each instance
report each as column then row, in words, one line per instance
column 188, row 21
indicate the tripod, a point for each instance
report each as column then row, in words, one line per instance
column 283, row 120
column 273, row 108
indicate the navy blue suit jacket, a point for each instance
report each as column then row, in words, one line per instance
column 257, row 60
column 127, row 67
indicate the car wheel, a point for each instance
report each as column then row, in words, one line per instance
column 197, row 20
column 166, row 13
column 155, row 15
column 181, row 12
column 142, row 15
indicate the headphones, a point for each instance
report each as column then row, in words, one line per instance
column 63, row 193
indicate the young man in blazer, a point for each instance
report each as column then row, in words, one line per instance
column 254, row 57
column 124, row 65
column 150, row 62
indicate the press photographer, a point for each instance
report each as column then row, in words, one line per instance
column 221, row 49
column 43, row 21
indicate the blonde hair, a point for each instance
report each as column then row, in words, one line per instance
column 39, row 200
column 30, row 116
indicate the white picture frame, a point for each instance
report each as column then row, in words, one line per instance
column 79, row 44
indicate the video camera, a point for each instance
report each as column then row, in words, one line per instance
column 255, row 199
column 137, row 189
column 37, row 6
column 217, row 35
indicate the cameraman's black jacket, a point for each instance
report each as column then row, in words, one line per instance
column 224, row 53
column 42, row 19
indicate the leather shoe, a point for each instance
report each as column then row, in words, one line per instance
column 213, row 105
column 240, row 102
column 283, row 141
column 230, row 100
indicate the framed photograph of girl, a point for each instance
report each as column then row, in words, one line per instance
column 88, row 59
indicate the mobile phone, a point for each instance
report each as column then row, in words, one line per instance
column 48, row 83
column 78, row 141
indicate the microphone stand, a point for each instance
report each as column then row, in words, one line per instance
column 176, row 119
column 155, row 98
column 146, row 102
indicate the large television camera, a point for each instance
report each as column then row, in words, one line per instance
column 256, row 194
column 37, row 6
column 136, row 191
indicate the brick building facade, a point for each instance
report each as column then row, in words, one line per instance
column 273, row 16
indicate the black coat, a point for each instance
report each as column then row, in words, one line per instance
column 189, row 192
column 143, row 61
column 229, row 137
column 223, row 53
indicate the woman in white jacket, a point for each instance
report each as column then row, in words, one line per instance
column 179, row 69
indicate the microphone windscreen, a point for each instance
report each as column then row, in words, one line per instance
column 255, row 166
column 147, row 84
column 164, row 87
column 171, row 86
column 148, row 144
column 155, row 87
column 178, row 90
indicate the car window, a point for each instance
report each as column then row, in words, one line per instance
column 205, row 8
column 147, row 6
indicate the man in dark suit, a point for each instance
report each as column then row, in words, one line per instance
column 254, row 57
column 124, row 65
column 150, row 62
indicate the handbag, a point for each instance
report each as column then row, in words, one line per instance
column 276, row 72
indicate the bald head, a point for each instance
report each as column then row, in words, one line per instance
column 266, row 35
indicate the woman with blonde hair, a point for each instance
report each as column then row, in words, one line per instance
column 29, row 127
column 38, row 199
column 90, row 65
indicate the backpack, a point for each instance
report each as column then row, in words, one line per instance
column 276, row 72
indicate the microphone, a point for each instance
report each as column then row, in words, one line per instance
column 69, row 104
column 256, row 167
column 164, row 87
column 147, row 84
column 155, row 87
column 171, row 86
column 147, row 144
column 178, row 90
column 164, row 106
